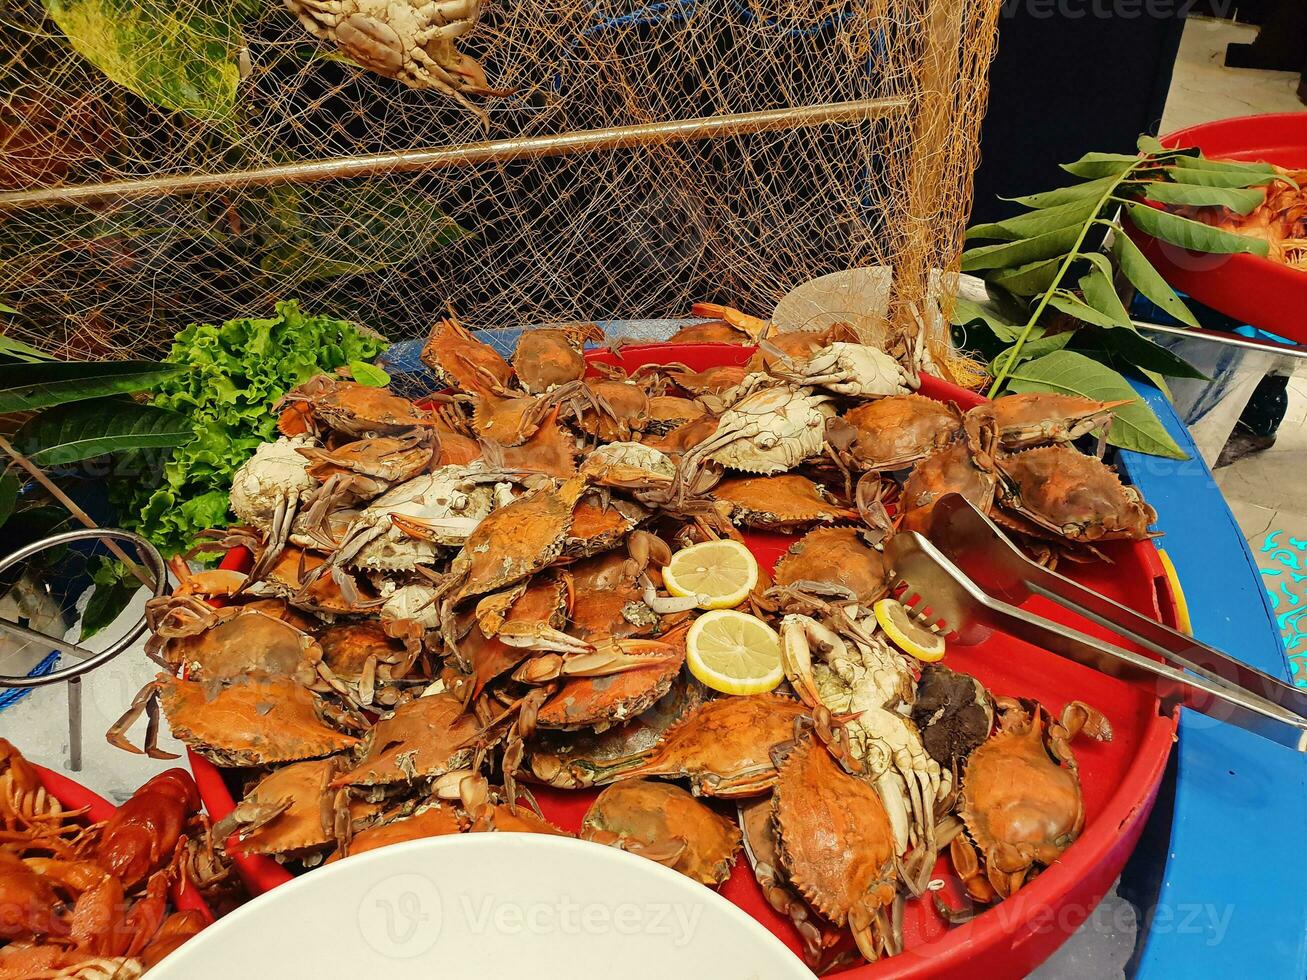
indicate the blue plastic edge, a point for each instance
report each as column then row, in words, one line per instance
column 1231, row 895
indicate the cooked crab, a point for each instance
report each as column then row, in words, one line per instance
column 1072, row 495
column 422, row 739
column 405, row 527
column 836, row 555
column 360, row 470
column 460, row 361
column 953, row 712
column 768, row 428
column 724, row 748
column 368, row 659
column 354, row 409
column 550, row 450
column 666, row 824
column 550, row 356
column 266, row 492
column 950, row 470
column 291, row 812
column 1036, row 418
column 854, row 370
column 617, row 682
column 253, row 720
column 780, row 503
column 892, row 433
column 1021, row 799
column 837, row 846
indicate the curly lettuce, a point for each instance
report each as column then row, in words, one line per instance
column 238, row 371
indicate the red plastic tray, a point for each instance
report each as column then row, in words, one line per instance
column 1249, row 288
column 1120, row 778
column 74, row 796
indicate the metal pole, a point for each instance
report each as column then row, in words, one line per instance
column 466, row 155
column 75, row 724
column 1228, row 339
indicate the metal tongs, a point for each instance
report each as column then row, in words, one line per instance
column 968, row 579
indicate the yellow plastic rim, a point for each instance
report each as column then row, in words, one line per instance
column 1182, row 621
column 912, row 638
column 734, row 653
column 722, row 573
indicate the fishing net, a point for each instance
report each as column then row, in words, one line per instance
column 148, row 90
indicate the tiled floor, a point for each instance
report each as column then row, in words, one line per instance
column 1266, row 491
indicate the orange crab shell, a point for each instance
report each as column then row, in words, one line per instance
column 303, row 826
column 836, row 840
column 949, row 470
column 433, row 820
column 356, row 410
column 550, row 450
column 1073, row 495
column 725, row 746
column 837, row 555
column 418, row 740
column 517, row 540
column 666, row 412
column 626, row 410
column 547, row 357
column 347, row 648
column 503, row 819
column 659, row 815
column 505, row 419
column 461, row 361
column 894, row 432
column 710, row 332
column 683, row 437
column 254, row 722
column 713, row 380
column 597, row 527
column 606, row 599
column 1019, row 805
column 779, row 503
column 589, row 702
column 241, row 640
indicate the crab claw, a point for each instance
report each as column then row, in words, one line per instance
column 615, row 658
column 799, row 634
column 664, row 605
column 527, row 635
column 433, row 530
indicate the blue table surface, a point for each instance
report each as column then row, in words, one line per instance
column 1230, row 895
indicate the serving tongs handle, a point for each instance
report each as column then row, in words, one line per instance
column 1011, row 575
column 1197, row 691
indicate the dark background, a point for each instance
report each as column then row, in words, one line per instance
column 1061, row 87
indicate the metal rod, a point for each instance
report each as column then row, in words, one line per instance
column 1228, row 339
column 45, row 640
column 467, row 154
column 75, row 724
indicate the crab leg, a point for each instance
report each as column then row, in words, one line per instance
column 664, row 605
column 538, row 636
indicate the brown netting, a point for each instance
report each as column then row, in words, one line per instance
column 634, row 232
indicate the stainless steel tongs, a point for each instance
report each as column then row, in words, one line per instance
column 968, row 579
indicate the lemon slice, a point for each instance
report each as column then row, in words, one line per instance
column 722, row 573
column 912, row 638
column 734, row 653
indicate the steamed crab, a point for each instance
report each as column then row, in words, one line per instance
column 892, row 433
column 1021, row 799
column 547, row 357
column 408, row 40
column 860, row 675
column 266, row 492
column 349, row 408
column 1071, row 495
column 780, row 503
column 1037, row 418
column 853, row 370
column 768, row 427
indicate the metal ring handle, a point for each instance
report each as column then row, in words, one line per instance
column 154, row 565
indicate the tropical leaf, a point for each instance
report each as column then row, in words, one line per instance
column 1148, row 280
column 1228, row 166
column 85, row 429
column 1072, row 214
column 368, row 374
column 28, row 387
column 112, row 589
column 1037, row 345
column 1193, row 234
column 1069, row 372
column 1189, row 174
column 19, row 351
column 966, row 312
column 1094, row 165
column 1099, row 289
column 1158, row 382
column 1031, row 279
column 1059, row 196
column 6, row 308
column 1013, row 254
column 1241, row 200
column 1071, row 305
column 1129, row 348
column 181, row 57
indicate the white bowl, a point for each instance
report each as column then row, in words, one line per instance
column 487, row 906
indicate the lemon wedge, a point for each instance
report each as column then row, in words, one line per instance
column 734, row 653
column 721, row 573
column 912, row 638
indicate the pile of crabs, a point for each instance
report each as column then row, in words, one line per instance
column 453, row 602
column 82, row 899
